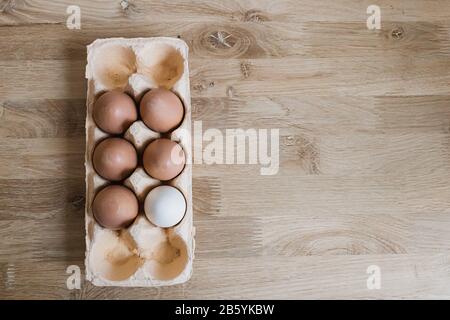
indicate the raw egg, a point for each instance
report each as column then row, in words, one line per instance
column 165, row 206
column 114, row 159
column 161, row 110
column 114, row 112
column 115, row 207
column 163, row 159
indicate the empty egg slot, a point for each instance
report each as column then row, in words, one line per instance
column 113, row 65
column 113, row 256
column 117, row 255
column 162, row 63
column 164, row 251
column 169, row 258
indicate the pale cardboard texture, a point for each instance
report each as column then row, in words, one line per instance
column 143, row 254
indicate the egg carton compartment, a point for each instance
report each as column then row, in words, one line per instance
column 142, row 254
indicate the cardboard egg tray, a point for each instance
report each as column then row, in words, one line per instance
column 143, row 254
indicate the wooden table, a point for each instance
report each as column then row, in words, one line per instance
column 364, row 119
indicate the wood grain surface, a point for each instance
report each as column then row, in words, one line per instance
column 364, row 119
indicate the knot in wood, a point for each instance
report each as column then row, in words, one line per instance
column 398, row 33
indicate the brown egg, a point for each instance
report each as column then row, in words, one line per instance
column 161, row 110
column 114, row 112
column 114, row 159
column 115, row 207
column 164, row 159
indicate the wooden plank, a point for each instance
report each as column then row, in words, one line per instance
column 46, row 118
column 222, row 192
column 61, row 237
column 328, row 154
column 290, row 192
column 45, row 158
column 328, row 76
column 332, row 115
column 245, row 41
column 141, row 11
column 51, row 147
column 56, row 238
column 308, row 277
column 275, row 77
column 349, row 234
column 39, row 199
column 42, row 118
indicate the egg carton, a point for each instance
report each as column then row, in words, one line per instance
column 143, row 255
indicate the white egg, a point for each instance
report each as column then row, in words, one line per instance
column 165, row 206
